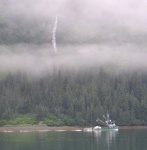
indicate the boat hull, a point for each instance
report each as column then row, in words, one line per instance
column 106, row 129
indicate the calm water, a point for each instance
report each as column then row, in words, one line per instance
column 124, row 139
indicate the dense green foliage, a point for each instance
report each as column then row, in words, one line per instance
column 19, row 120
column 74, row 98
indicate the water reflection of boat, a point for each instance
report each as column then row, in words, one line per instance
column 109, row 135
column 108, row 124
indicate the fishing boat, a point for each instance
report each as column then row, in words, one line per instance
column 108, row 124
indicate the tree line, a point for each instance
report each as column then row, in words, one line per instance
column 67, row 98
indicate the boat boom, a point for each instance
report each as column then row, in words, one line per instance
column 100, row 120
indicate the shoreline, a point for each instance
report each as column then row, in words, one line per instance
column 62, row 128
column 39, row 128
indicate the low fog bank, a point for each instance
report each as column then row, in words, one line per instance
column 39, row 61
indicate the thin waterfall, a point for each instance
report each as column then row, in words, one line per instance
column 54, row 35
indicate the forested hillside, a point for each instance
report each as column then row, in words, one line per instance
column 68, row 62
column 66, row 98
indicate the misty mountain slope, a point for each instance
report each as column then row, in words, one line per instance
column 93, row 31
column 78, row 22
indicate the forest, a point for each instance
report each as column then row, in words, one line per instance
column 73, row 98
column 106, row 49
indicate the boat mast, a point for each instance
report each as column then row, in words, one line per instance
column 107, row 120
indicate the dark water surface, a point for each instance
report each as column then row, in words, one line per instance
column 124, row 139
